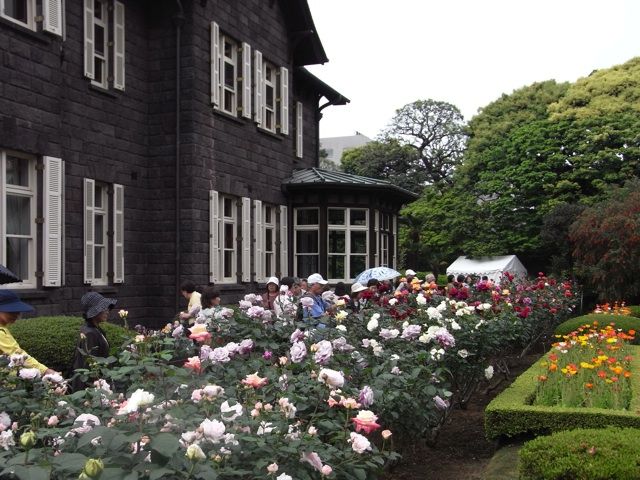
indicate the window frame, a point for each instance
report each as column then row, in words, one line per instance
column 105, row 246
column 269, row 249
column 31, row 192
column 348, row 229
column 226, row 220
column 105, row 59
column 269, row 112
column 304, row 227
column 224, row 88
column 31, row 15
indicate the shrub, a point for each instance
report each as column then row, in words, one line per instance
column 624, row 322
column 635, row 310
column 582, row 454
column 511, row 414
column 52, row 340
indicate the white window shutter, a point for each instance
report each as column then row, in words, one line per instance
column 118, row 45
column 89, row 232
column 89, row 41
column 284, row 100
column 118, row 233
column 246, row 80
column 52, row 241
column 246, row 239
column 215, row 64
column 52, row 13
column 257, row 86
column 284, row 242
column 299, row 130
column 214, row 237
column 259, row 241
column 376, row 240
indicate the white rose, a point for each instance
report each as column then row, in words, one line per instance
column 194, row 453
column 463, row 353
column 488, row 372
column 393, row 301
column 226, row 409
column 342, row 328
column 359, row 443
column 212, row 429
column 372, row 325
column 330, row 377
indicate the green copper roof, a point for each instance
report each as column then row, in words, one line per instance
column 318, row 177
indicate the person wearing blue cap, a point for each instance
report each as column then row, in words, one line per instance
column 10, row 309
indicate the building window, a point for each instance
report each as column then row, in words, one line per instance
column 229, row 248
column 103, row 232
column 269, row 226
column 224, row 236
column 347, row 252
column 269, row 96
column 385, row 240
column 306, row 245
column 229, row 75
column 21, row 12
column 18, row 187
column 104, row 42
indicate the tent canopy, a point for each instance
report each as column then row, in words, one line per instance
column 492, row 267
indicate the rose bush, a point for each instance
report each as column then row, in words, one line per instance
column 244, row 394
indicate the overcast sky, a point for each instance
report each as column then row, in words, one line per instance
column 383, row 55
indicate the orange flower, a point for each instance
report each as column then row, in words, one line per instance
column 588, row 385
column 542, row 378
column 602, row 374
column 627, row 374
column 553, row 367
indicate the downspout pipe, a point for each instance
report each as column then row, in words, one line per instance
column 179, row 21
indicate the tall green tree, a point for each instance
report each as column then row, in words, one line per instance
column 435, row 130
column 387, row 160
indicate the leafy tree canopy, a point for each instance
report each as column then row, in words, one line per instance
column 387, row 160
column 436, row 131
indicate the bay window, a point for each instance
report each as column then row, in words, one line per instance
column 347, row 250
column 306, row 244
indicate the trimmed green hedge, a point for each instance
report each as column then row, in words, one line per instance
column 52, row 340
column 582, row 454
column 635, row 310
column 625, row 322
column 511, row 413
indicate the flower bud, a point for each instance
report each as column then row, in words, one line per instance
column 93, row 468
column 272, row 468
column 326, row 470
column 195, row 453
column 28, row 439
column 386, row 434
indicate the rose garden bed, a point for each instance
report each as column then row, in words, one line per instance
column 261, row 397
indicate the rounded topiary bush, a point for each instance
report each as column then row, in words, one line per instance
column 582, row 454
column 52, row 340
column 625, row 322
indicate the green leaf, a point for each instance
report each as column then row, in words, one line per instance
column 69, row 462
column 165, row 444
column 160, row 472
column 29, row 473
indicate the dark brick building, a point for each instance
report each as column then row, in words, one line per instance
column 146, row 142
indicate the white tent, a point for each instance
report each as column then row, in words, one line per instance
column 492, row 267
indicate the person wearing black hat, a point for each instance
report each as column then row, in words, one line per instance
column 93, row 341
column 10, row 309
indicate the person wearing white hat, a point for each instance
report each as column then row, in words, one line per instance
column 270, row 296
column 355, row 302
column 317, row 308
column 406, row 283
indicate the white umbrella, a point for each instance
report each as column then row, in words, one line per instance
column 379, row 273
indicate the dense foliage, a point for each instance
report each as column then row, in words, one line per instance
column 53, row 340
column 582, row 454
column 260, row 397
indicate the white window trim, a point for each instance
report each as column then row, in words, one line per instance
column 31, row 15
column 103, row 211
column 348, row 228
column 30, row 192
column 224, row 88
column 299, row 130
column 104, row 23
column 266, row 248
column 296, row 228
column 266, row 108
column 224, row 220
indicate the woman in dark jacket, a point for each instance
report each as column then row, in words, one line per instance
column 93, row 340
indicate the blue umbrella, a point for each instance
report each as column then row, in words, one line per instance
column 379, row 273
column 7, row 276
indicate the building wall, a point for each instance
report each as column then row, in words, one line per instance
column 48, row 107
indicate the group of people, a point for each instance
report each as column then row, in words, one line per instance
column 92, row 341
column 308, row 299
